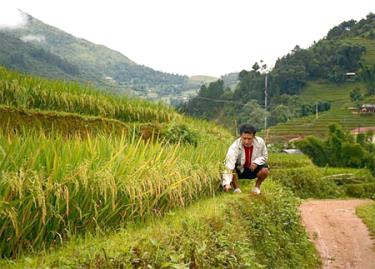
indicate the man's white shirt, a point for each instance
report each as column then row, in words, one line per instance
column 236, row 157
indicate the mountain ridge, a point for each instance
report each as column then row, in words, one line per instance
column 98, row 64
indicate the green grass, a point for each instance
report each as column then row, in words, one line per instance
column 337, row 94
column 283, row 161
column 229, row 231
column 369, row 57
column 298, row 174
column 301, row 127
column 201, row 78
column 367, row 214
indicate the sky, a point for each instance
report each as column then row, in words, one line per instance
column 193, row 37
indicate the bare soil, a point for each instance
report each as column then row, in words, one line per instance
column 341, row 238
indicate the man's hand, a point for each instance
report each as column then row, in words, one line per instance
column 227, row 187
column 253, row 166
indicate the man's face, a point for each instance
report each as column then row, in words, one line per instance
column 247, row 139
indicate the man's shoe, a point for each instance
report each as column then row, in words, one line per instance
column 256, row 191
column 237, row 190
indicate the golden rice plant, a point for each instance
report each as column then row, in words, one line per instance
column 25, row 91
column 52, row 188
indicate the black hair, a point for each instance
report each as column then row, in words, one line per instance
column 247, row 129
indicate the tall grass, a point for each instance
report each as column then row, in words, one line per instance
column 25, row 91
column 52, row 188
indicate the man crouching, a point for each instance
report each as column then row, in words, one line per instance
column 246, row 158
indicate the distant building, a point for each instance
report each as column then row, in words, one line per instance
column 364, row 130
column 350, row 76
column 367, row 109
column 354, row 110
column 295, row 139
column 292, row 151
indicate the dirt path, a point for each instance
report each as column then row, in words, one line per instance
column 342, row 239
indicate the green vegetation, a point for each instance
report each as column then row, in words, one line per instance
column 231, row 231
column 340, row 149
column 367, row 214
column 93, row 180
column 70, row 165
column 202, row 79
column 53, row 188
column 19, row 120
column 115, row 169
column 298, row 174
column 23, row 91
column 18, row 55
column 301, row 83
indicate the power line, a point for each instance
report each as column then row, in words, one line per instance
column 218, row 100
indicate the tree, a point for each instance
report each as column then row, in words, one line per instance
column 368, row 76
column 339, row 149
column 252, row 113
column 355, row 95
column 255, row 67
column 280, row 113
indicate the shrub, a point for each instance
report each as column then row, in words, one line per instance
column 339, row 150
column 306, row 182
column 364, row 190
column 180, row 133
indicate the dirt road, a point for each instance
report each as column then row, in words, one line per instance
column 342, row 239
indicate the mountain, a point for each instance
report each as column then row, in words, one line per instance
column 18, row 55
column 84, row 61
column 203, row 79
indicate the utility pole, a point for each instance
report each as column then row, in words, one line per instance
column 265, row 102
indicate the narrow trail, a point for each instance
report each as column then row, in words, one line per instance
column 341, row 238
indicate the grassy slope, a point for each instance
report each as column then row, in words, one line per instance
column 30, row 92
column 94, row 183
column 367, row 213
column 266, row 232
column 211, row 233
column 338, row 95
column 78, row 186
column 202, row 79
column 11, row 46
column 231, row 231
column 305, row 180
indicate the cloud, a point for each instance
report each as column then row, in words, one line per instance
column 30, row 38
column 12, row 18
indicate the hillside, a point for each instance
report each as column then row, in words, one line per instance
column 90, row 179
column 24, row 57
column 300, row 81
column 202, row 79
column 129, row 157
column 339, row 97
column 96, row 64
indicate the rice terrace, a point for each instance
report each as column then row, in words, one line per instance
column 107, row 163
